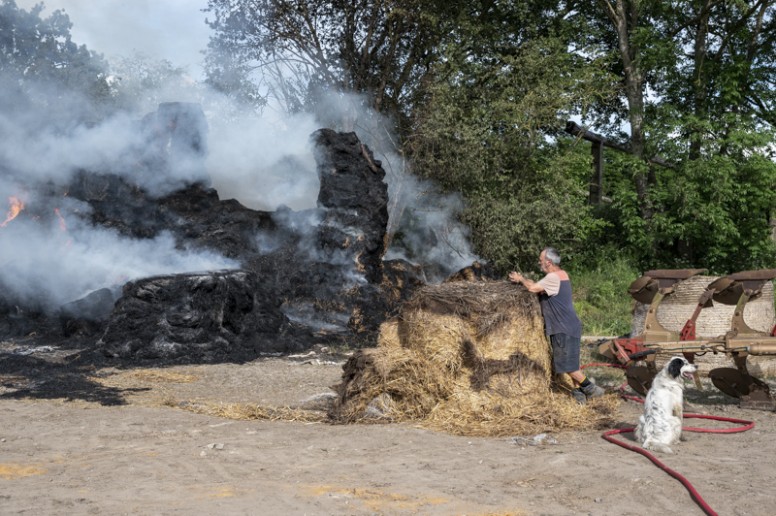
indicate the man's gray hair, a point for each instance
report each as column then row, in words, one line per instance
column 552, row 254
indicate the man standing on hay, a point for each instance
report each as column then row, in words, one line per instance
column 561, row 323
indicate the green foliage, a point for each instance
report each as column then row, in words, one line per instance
column 511, row 227
column 601, row 293
column 481, row 92
column 41, row 68
column 712, row 213
column 484, row 132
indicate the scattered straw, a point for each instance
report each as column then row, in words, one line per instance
column 248, row 412
column 150, row 376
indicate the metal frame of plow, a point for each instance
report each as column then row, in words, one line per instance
column 638, row 353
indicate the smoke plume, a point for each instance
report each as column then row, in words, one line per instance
column 50, row 254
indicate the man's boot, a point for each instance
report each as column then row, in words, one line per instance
column 592, row 390
column 579, row 396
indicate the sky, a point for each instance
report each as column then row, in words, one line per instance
column 174, row 30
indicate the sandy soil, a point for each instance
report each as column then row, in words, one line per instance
column 116, row 441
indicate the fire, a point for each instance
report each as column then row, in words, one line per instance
column 16, row 206
column 63, row 227
column 62, row 224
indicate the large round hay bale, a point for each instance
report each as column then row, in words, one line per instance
column 489, row 327
column 435, row 336
column 467, row 357
column 675, row 310
column 389, row 335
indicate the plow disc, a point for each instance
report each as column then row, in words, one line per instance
column 639, row 378
column 753, row 392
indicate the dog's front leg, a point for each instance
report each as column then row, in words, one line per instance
column 675, row 426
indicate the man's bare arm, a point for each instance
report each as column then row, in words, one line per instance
column 532, row 286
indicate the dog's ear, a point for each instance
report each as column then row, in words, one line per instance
column 675, row 367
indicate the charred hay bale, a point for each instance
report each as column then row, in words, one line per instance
column 400, row 281
column 194, row 318
column 475, row 272
column 355, row 199
column 466, row 357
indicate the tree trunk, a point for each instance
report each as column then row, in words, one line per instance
column 699, row 76
column 773, row 225
column 625, row 15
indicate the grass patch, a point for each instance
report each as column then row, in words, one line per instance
column 601, row 297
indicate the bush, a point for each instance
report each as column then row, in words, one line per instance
column 601, row 294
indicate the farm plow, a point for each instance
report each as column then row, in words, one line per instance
column 638, row 353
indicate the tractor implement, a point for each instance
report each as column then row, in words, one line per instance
column 738, row 289
column 638, row 353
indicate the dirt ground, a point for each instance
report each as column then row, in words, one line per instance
column 129, row 441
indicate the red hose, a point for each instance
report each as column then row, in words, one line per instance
column 747, row 425
column 686, row 483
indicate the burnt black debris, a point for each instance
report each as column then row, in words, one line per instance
column 303, row 278
column 356, row 201
column 208, row 317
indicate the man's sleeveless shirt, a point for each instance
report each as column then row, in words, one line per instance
column 558, row 309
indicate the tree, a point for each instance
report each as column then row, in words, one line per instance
column 697, row 89
column 491, row 130
column 141, row 83
column 380, row 48
column 481, row 92
column 42, row 68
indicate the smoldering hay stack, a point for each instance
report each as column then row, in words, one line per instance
column 470, row 358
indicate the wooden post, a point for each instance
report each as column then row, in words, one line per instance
column 599, row 142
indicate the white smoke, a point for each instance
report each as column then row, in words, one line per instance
column 37, row 153
column 265, row 162
column 49, row 254
column 51, row 264
column 424, row 220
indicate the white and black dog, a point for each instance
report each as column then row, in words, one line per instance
column 661, row 424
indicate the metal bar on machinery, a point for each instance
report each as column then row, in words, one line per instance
column 741, row 340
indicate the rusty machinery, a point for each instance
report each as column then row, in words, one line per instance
column 638, row 353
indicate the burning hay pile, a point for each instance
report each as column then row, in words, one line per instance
column 470, row 358
column 173, row 274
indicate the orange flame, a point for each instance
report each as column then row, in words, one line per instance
column 16, row 207
column 62, row 224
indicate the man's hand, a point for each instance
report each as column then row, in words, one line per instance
column 515, row 277
column 531, row 285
